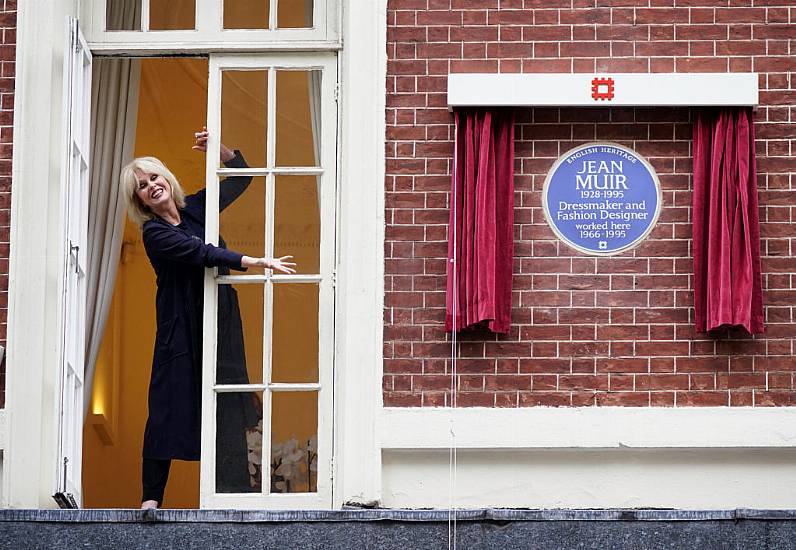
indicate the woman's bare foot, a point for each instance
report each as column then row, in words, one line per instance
column 149, row 505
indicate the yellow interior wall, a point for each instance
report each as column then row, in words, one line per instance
column 253, row 14
column 172, row 14
column 172, row 106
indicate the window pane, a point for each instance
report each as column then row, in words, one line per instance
column 123, row 15
column 242, row 222
column 239, row 350
column 294, row 14
column 172, row 15
column 246, row 14
column 295, row 333
column 294, row 442
column 297, row 221
column 239, row 442
column 298, row 118
column 244, row 118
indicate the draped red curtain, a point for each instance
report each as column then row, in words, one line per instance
column 481, row 228
column 726, row 237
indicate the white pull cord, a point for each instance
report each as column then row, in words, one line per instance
column 452, row 466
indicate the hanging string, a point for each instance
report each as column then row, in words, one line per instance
column 452, row 458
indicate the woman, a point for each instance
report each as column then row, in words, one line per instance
column 174, row 239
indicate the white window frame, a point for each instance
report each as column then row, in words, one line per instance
column 326, row 174
column 72, row 298
column 209, row 34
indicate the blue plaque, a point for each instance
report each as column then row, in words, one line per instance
column 601, row 198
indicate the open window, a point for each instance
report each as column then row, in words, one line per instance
column 280, row 111
column 75, row 193
column 290, row 318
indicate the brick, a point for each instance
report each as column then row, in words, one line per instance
column 583, row 382
column 398, row 399
column 769, row 32
column 702, row 382
column 544, row 399
column 702, row 364
column 662, row 382
column 508, row 382
column 620, row 365
column 585, row 49
column 740, row 381
column 511, row 17
column 623, row 399
column 774, row 398
column 702, row 399
column 590, row 16
column 544, row 366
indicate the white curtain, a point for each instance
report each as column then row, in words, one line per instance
column 123, row 15
column 315, row 118
column 114, row 108
column 314, row 82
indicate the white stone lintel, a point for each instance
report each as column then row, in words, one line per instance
column 626, row 90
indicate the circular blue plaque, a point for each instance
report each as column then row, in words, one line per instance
column 601, row 198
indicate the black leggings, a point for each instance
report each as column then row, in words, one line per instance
column 154, row 475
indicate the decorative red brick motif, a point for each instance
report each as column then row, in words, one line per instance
column 602, row 89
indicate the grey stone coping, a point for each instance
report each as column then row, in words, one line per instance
column 382, row 514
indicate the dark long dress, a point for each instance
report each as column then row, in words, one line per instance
column 179, row 256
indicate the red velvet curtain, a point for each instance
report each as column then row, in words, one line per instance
column 726, row 237
column 481, row 228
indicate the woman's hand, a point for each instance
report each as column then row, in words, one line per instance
column 281, row 265
column 201, row 145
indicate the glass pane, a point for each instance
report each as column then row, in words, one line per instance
column 242, row 222
column 123, row 15
column 247, row 14
column 295, row 333
column 294, row 442
column 172, row 15
column 239, row 351
column 294, row 14
column 244, row 113
column 239, row 442
column 297, row 221
column 298, row 118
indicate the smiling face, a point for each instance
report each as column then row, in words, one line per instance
column 153, row 190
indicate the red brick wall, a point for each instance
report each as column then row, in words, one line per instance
column 585, row 331
column 8, row 41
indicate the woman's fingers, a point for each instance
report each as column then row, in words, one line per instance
column 283, row 269
column 282, row 265
column 201, row 140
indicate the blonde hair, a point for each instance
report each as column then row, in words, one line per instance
column 137, row 211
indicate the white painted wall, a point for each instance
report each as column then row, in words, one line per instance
column 596, row 478
column 588, row 428
column 360, row 257
column 591, row 457
column 35, row 258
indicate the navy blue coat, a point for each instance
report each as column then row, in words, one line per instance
column 179, row 256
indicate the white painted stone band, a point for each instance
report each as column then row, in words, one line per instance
column 588, row 428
